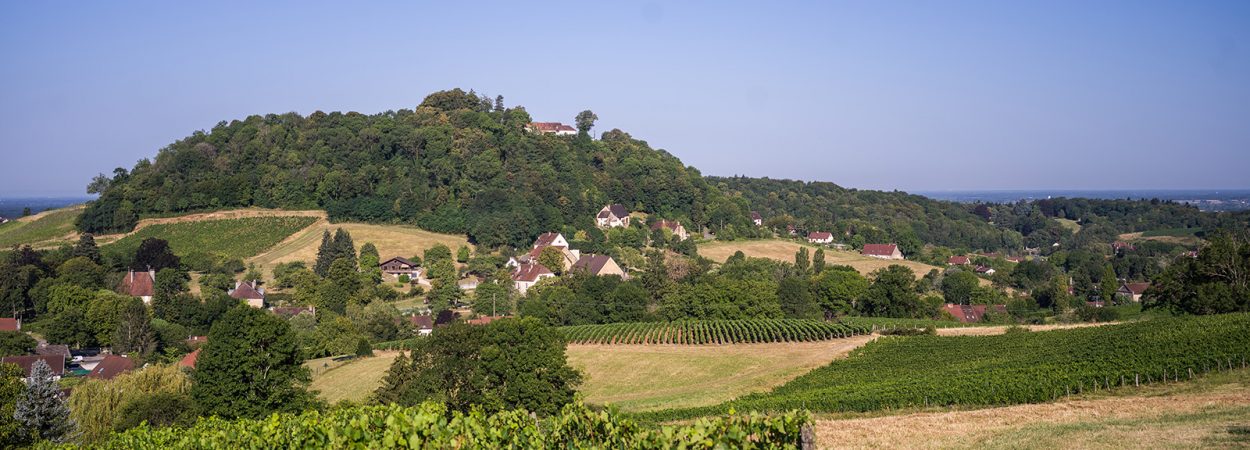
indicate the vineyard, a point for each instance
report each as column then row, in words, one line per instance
column 224, row 238
column 711, row 332
column 431, row 426
column 899, row 372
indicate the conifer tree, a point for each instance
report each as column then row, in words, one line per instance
column 40, row 412
column 818, row 261
column 344, row 247
column 325, row 255
column 86, row 248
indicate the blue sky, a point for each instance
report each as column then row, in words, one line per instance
column 882, row 95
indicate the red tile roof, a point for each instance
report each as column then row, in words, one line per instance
column 245, row 290
column 137, row 284
column 819, row 235
column 111, row 366
column 530, row 272
column 662, row 223
column 958, row 260
column 972, row 313
column 422, row 322
column 756, row 216
column 1135, row 288
column 190, row 359
column 483, row 320
column 27, row 362
column 879, row 249
column 10, row 324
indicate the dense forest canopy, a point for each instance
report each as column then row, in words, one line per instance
column 464, row 163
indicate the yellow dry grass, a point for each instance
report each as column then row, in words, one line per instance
column 653, row 377
column 993, row 330
column 391, row 241
column 1179, row 240
column 1185, row 415
column 350, row 380
column 783, row 250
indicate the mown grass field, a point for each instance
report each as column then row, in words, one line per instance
column 784, row 250
column 1209, row 412
column 46, row 229
column 352, row 380
column 228, row 238
column 655, row 377
column 1070, row 224
column 391, row 241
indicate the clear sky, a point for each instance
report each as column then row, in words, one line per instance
column 926, row 95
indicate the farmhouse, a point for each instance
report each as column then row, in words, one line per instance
column 551, row 240
column 249, row 292
column 598, row 265
column 112, row 366
column 972, row 313
column 1132, row 291
column 882, row 251
column 673, row 226
column 27, row 363
column 138, row 284
column 10, row 324
column 614, row 215
column 757, row 219
column 820, row 237
column 555, row 128
column 397, row 267
column 958, row 261
column 529, row 274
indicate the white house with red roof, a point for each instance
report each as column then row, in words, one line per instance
column 820, row 237
column 529, row 274
column 757, row 219
column 882, row 251
column 138, row 284
column 555, row 128
column 250, row 292
column 672, row 226
column 960, row 260
column 614, row 215
column 551, row 239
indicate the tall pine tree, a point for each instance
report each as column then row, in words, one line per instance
column 325, row 255
column 86, row 248
column 344, row 247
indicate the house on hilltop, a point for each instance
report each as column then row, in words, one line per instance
column 249, row 292
column 614, row 215
column 397, row 267
column 555, row 128
column 673, row 226
column 138, row 284
column 598, row 265
column 529, row 274
column 1132, row 291
column 820, row 237
column 881, row 251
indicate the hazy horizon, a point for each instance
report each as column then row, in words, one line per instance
column 966, row 96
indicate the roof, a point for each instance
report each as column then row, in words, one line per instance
column 663, row 223
column 1135, row 288
column 483, row 320
column 545, row 239
column 957, row 260
column 46, row 349
column 820, row 235
column 27, row 362
column 972, row 313
column 530, row 272
column 197, row 340
column 10, row 324
column 190, row 359
column 111, row 366
column 422, row 322
column 137, row 284
column 756, row 216
column 879, row 249
column 1117, row 245
column 615, row 209
column 244, row 290
column 398, row 259
column 591, row 263
column 550, row 127
column 984, row 269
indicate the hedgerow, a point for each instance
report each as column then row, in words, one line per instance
column 711, row 332
column 431, row 425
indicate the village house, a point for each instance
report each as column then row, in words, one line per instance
column 757, row 219
column 598, row 265
column 958, row 261
column 423, row 324
column 27, row 363
column 1132, row 291
column 190, row 359
column 1119, row 246
column 673, row 226
column 555, row 128
column 972, row 313
column 10, row 324
column 397, row 267
column 59, row 350
column 882, row 251
column 249, row 292
column 820, row 237
column 986, row 270
column 138, row 284
column 470, row 283
column 614, row 215
column 111, row 366
column 529, row 274
column 551, row 240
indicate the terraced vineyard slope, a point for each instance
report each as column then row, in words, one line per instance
column 711, row 332
column 226, row 238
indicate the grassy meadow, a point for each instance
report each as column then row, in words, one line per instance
column 227, row 238
column 784, row 250
column 46, row 229
column 391, row 241
column 352, row 380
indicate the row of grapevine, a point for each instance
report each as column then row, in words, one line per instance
column 704, row 332
column 1014, row 368
column 430, row 425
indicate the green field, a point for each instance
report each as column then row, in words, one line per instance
column 1172, row 232
column 353, row 380
column 1013, row 368
column 227, row 238
column 41, row 230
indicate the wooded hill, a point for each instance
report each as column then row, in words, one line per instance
column 462, row 163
